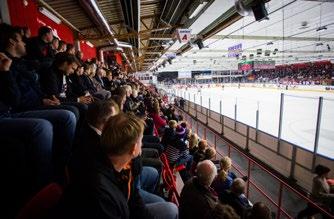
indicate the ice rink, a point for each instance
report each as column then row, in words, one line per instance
column 300, row 111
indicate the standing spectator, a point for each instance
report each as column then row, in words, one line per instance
column 38, row 48
column 320, row 193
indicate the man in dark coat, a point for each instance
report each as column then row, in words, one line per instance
column 197, row 198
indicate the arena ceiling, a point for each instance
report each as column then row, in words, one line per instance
column 143, row 29
column 299, row 30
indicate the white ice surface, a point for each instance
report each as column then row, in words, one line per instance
column 299, row 118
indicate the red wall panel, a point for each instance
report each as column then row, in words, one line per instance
column 88, row 52
column 119, row 58
column 29, row 15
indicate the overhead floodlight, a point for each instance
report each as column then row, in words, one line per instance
column 50, row 15
column 197, row 10
column 322, row 28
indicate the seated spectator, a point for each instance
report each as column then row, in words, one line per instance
column 108, row 81
column 236, row 198
column 70, row 49
column 185, row 126
column 98, row 85
column 193, row 143
column 62, row 46
column 57, row 83
column 177, row 149
column 87, row 143
column 159, row 122
column 260, row 210
column 112, row 193
column 225, row 177
column 26, row 149
column 197, row 199
column 54, row 47
column 79, row 55
column 199, row 154
column 169, row 134
column 225, row 212
column 210, row 153
column 78, row 83
column 19, row 92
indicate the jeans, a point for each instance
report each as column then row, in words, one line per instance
column 26, row 162
column 146, row 183
column 36, row 137
column 162, row 210
column 64, row 124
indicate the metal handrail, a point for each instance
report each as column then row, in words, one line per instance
column 251, row 160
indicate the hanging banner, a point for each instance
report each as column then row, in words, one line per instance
column 183, row 35
column 235, row 50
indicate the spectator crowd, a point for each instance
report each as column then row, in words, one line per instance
column 99, row 134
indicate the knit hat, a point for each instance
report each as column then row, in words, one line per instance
column 180, row 130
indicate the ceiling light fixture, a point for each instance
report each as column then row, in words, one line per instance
column 319, row 44
column 197, row 10
column 89, row 44
column 50, row 15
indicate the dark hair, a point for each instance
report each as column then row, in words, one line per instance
column 321, row 169
column 63, row 57
column 224, row 211
column 260, row 210
column 99, row 112
column 43, row 30
column 61, row 43
column 55, row 38
column 118, row 99
column 7, row 32
column 69, row 47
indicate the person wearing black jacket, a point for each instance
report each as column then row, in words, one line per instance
column 39, row 48
column 111, row 192
column 79, row 87
column 57, row 83
column 17, row 88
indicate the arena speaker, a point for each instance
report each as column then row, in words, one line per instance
column 259, row 10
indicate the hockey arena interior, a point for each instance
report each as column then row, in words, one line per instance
column 167, row 109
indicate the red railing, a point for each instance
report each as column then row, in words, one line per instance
column 281, row 212
column 169, row 181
